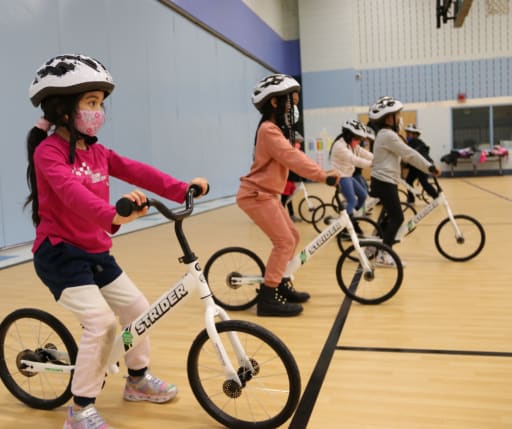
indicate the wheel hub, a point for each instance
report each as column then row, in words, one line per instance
column 26, row 355
column 230, row 282
column 369, row 276
column 232, row 389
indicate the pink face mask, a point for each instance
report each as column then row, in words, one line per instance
column 89, row 122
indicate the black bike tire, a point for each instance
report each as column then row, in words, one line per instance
column 65, row 336
column 271, row 340
column 316, row 218
column 370, row 301
column 359, row 219
column 208, row 266
column 402, row 195
column 303, row 208
column 479, row 248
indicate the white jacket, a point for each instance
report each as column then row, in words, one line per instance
column 345, row 159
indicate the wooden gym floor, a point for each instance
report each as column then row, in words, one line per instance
column 437, row 355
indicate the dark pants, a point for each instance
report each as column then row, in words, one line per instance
column 288, row 205
column 414, row 174
column 391, row 216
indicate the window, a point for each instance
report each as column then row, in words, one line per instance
column 482, row 127
column 502, row 125
column 470, row 127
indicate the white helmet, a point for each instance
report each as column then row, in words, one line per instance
column 272, row 86
column 355, row 127
column 411, row 128
column 384, row 106
column 69, row 74
column 370, row 134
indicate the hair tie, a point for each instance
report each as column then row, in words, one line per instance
column 43, row 124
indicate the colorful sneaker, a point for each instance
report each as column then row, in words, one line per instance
column 86, row 418
column 148, row 388
column 384, row 260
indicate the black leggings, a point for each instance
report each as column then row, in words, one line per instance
column 288, row 204
column 391, row 216
column 414, row 174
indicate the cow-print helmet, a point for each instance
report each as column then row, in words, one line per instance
column 383, row 106
column 412, row 129
column 273, row 86
column 370, row 134
column 355, row 127
column 69, row 74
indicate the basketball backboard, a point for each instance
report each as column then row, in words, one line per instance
column 455, row 10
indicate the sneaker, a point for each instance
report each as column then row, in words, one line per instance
column 87, row 418
column 148, row 388
column 384, row 260
column 287, row 290
column 370, row 203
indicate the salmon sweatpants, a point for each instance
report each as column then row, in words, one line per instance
column 271, row 217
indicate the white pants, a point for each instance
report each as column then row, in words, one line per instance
column 96, row 309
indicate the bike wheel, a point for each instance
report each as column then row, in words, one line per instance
column 225, row 268
column 408, row 210
column 323, row 216
column 462, row 248
column 33, row 334
column 268, row 396
column 402, row 195
column 334, row 199
column 368, row 227
column 307, row 207
column 427, row 199
column 379, row 286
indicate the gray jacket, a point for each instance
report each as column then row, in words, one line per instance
column 388, row 151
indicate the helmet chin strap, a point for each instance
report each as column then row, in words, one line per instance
column 289, row 118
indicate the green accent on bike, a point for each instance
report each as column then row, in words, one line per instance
column 303, row 257
column 410, row 225
column 127, row 338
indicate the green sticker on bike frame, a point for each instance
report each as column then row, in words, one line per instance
column 127, row 338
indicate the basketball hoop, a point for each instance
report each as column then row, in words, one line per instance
column 497, row 7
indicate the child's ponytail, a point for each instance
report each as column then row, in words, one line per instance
column 35, row 136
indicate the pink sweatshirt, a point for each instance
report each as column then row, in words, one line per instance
column 345, row 159
column 274, row 156
column 74, row 199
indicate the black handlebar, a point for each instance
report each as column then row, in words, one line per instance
column 331, row 180
column 125, row 207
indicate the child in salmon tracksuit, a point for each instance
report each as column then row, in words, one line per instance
column 260, row 190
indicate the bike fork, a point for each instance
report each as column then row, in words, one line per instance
column 230, row 372
column 458, row 232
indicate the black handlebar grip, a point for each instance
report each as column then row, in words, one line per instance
column 331, row 180
column 125, row 207
column 198, row 190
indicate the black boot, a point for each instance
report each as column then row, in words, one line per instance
column 287, row 290
column 272, row 303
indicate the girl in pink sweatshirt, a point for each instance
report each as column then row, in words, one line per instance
column 260, row 190
column 68, row 175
